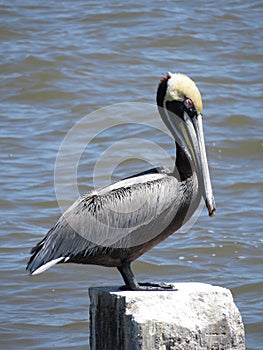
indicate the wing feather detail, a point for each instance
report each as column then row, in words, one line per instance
column 128, row 213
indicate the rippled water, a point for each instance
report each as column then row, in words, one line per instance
column 63, row 60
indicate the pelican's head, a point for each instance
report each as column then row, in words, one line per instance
column 180, row 106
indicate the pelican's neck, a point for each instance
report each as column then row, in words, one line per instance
column 182, row 164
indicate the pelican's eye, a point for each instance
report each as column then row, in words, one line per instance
column 190, row 107
column 188, row 103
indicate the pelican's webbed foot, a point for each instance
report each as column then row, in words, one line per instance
column 157, row 286
column 150, row 287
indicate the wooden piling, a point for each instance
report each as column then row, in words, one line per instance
column 195, row 317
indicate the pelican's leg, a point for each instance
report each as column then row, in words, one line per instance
column 132, row 284
column 128, row 276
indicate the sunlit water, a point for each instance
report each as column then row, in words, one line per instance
column 62, row 61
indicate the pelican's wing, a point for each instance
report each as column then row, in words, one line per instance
column 127, row 213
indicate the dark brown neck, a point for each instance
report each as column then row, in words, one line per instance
column 182, row 164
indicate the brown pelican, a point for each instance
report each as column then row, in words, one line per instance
column 114, row 225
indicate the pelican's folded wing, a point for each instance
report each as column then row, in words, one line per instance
column 128, row 213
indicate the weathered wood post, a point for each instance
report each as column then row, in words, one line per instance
column 195, row 317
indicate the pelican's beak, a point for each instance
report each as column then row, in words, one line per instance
column 188, row 133
column 198, row 148
column 192, row 136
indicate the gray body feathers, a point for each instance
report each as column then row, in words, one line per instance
column 119, row 222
